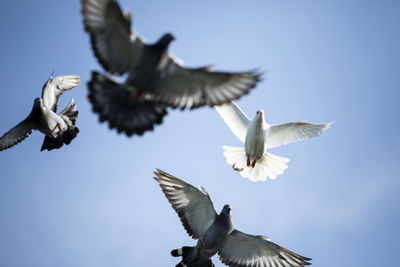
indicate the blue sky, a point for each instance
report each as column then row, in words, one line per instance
column 94, row 202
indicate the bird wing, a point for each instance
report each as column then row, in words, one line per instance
column 113, row 43
column 235, row 118
column 194, row 206
column 21, row 131
column 182, row 87
column 55, row 87
column 283, row 134
column 244, row 250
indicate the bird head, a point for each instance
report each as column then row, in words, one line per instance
column 226, row 210
column 260, row 114
column 165, row 40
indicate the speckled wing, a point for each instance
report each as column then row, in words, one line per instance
column 283, row 134
column 113, row 102
column 18, row 133
column 235, row 119
column 55, row 87
column 194, row 206
column 244, row 250
column 181, row 87
column 113, row 43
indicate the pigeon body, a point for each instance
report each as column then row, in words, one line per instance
column 216, row 232
column 154, row 77
column 253, row 161
column 59, row 129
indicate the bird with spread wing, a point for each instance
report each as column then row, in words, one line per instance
column 155, row 79
column 252, row 161
column 216, row 233
column 59, row 129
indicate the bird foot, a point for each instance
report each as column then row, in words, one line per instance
column 54, row 135
column 236, row 168
column 254, row 163
column 136, row 94
column 201, row 243
column 208, row 251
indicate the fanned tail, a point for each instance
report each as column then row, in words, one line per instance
column 269, row 165
column 114, row 103
column 187, row 254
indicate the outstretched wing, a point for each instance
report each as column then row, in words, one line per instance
column 182, row 87
column 113, row 43
column 194, row 206
column 55, row 87
column 21, row 131
column 235, row 118
column 283, row 134
column 244, row 250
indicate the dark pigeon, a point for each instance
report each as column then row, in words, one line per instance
column 216, row 233
column 59, row 129
column 155, row 78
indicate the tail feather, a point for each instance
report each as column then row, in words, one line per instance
column 188, row 260
column 269, row 165
column 113, row 102
column 50, row 143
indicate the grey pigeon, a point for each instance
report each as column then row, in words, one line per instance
column 155, row 78
column 59, row 128
column 216, row 233
column 252, row 161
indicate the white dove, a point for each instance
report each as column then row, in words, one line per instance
column 253, row 161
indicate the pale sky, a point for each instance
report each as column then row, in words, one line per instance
column 94, row 202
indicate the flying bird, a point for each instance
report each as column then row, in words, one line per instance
column 59, row 129
column 216, row 233
column 155, row 78
column 252, row 160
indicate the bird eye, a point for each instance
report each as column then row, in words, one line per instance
column 258, row 112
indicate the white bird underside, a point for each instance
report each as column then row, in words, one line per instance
column 268, row 165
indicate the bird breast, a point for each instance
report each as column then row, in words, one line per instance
column 255, row 139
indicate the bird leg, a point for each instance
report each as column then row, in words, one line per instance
column 208, row 251
column 248, row 161
column 133, row 91
column 254, row 163
column 59, row 126
column 136, row 94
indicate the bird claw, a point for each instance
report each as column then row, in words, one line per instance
column 208, row 251
column 254, row 163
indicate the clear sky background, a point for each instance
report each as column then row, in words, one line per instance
column 94, row 202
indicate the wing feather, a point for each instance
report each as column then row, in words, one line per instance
column 182, row 87
column 14, row 136
column 55, row 87
column 244, row 250
column 283, row 134
column 113, row 42
column 235, row 119
column 194, row 206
